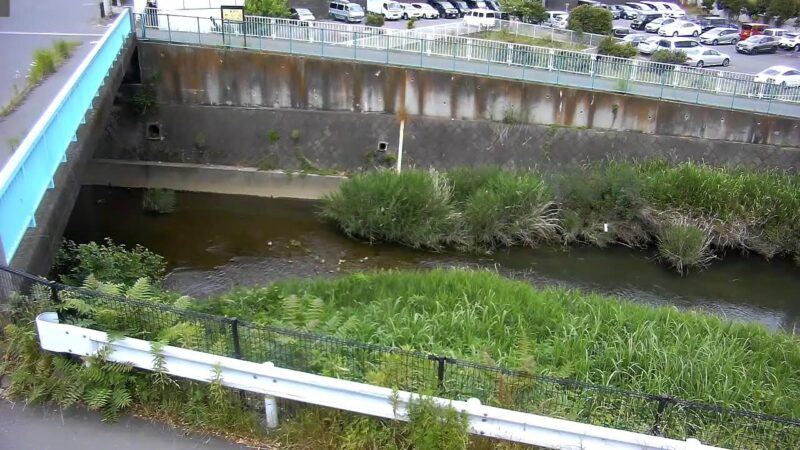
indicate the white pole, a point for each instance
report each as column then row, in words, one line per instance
column 270, row 407
column 400, row 147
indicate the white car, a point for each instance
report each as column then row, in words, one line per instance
column 648, row 46
column 480, row 18
column 704, row 57
column 655, row 25
column 428, row 12
column 680, row 28
column 782, row 75
column 790, row 41
column 409, row 12
column 556, row 19
column 673, row 10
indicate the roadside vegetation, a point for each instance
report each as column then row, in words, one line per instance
column 476, row 316
column 45, row 62
column 692, row 213
column 506, row 36
column 589, row 19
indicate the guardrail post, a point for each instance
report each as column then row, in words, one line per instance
column 270, row 407
column 237, row 350
column 169, row 29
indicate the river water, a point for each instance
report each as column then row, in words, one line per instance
column 216, row 242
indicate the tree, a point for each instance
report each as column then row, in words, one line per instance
column 268, row 8
column 708, row 5
column 782, row 9
column 734, row 7
column 588, row 19
column 528, row 10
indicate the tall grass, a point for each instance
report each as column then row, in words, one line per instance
column 614, row 203
column 159, row 201
column 483, row 317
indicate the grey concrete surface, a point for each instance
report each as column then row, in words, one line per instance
column 50, row 428
column 34, row 25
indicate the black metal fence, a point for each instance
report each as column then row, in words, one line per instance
column 405, row 370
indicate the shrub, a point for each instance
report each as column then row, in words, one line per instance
column 411, row 22
column 588, row 19
column 108, row 262
column 159, row 201
column 44, row 63
column 268, row 8
column 609, row 46
column 684, row 246
column 375, row 20
column 531, row 10
column 668, row 56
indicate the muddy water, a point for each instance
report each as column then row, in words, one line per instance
column 216, row 242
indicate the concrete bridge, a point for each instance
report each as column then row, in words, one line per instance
column 468, row 100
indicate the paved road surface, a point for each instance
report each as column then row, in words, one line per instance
column 41, row 428
column 30, row 26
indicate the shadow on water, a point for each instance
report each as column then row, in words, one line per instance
column 215, row 242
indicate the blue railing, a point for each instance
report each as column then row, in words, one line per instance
column 30, row 171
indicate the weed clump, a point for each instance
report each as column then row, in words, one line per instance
column 159, row 201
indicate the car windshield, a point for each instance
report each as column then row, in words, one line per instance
column 770, row 72
column 446, row 4
column 394, row 7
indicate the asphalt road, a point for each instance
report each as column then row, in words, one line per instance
column 30, row 26
column 739, row 62
column 47, row 428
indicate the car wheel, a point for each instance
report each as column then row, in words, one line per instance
column 695, row 34
column 726, row 62
column 700, row 64
column 734, row 41
column 675, row 34
column 405, row 16
column 715, row 42
column 774, row 49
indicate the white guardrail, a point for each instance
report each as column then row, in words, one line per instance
column 270, row 381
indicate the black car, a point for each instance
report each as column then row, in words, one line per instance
column 461, row 6
column 643, row 18
column 445, row 8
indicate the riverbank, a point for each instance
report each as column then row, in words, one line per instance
column 692, row 213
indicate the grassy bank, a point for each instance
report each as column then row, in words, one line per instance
column 506, row 36
column 692, row 213
column 485, row 318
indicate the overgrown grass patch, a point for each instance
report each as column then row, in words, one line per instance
column 506, row 36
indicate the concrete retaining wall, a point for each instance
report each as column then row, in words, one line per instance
column 216, row 76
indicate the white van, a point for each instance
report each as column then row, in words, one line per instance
column 556, row 19
column 481, row 18
column 677, row 43
column 344, row 10
column 390, row 10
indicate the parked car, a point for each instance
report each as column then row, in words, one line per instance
column 635, row 39
column 478, row 4
column 389, row 9
column 703, row 57
column 344, row 10
column 639, row 7
column 752, row 29
column 716, row 36
column 782, row 75
column 643, row 18
column 649, row 45
column 673, row 10
column 409, row 12
column 654, row 25
column 709, row 22
column 493, row 5
column 677, row 43
column 615, row 14
column 775, row 32
column 620, row 32
column 445, row 8
column 461, row 6
column 301, row 14
column 757, row 44
column 680, row 28
column 790, row 41
column 480, row 18
column 556, row 19
column 625, row 11
column 428, row 12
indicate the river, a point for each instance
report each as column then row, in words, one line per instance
column 216, row 242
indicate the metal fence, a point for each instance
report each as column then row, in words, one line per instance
column 405, row 370
column 452, row 52
column 29, row 172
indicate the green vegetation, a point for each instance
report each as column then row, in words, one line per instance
column 530, row 10
column 506, row 36
column 145, row 99
column 273, row 136
column 668, row 56
column 623, row 203
column 159, row 201
column 410, row 23
column 268, row 8
column 45, row 62
column 374, row 20
column 295, row 135
column 609, row 46
column 268, row 162
column 588, row 19
column 200, row 140
column 107, row 262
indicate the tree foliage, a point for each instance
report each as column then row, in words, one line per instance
column 609, row 46
column 783, row 9
column 530, row 10
column 668, row 56
column 588, row 19
column 268, row 8
column 708, row 5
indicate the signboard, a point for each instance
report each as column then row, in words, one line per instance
column 232, row 13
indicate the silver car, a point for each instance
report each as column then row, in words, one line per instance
column 717, row 36
column 703, row 57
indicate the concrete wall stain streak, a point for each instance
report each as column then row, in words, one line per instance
column 212, row 76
